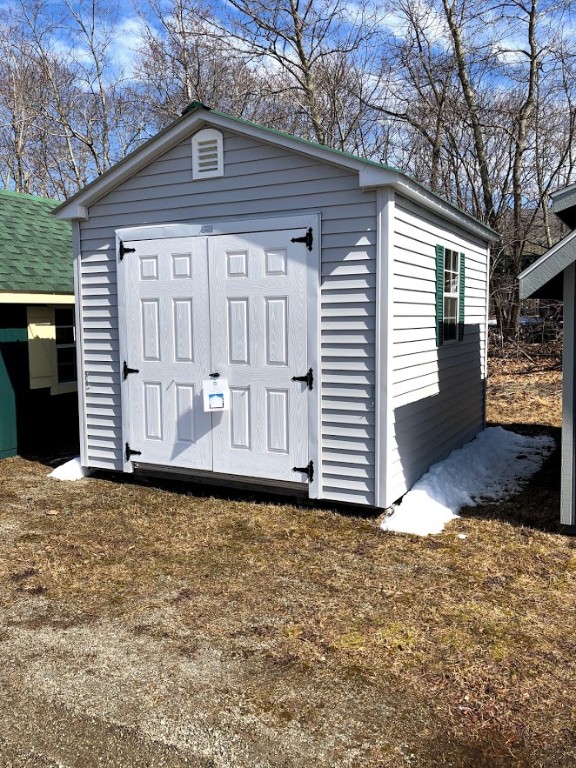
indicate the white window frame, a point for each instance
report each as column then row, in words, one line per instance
column 68, row 385
column 451, row 280
column 43, row 349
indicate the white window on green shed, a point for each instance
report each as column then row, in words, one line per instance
column 207, row 154
column 450, row 284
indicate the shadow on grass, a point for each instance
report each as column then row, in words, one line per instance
column 537, row 505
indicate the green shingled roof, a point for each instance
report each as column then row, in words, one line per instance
column 35, row 247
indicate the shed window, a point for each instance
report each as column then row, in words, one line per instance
column 51, row 348
column 65, row 345
column 207, row 154
column 450, row 285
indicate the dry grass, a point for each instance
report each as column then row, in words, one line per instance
column 467, row 644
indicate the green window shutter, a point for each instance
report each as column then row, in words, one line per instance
column 439, row 294
column 461, row 296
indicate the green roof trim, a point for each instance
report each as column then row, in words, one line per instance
column 35, row 247
column 195, row 105
column 308, row 143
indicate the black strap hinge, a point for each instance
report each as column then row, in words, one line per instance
column 126, row 371
column 308, row 378
column 307, row 470
column 123, row 250
column 307, row 238
column 129, row 452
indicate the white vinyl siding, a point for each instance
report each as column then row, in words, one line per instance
column 437, row 391
column 260, row 180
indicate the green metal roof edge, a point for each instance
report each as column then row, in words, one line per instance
column 307, row 142
column 348, row 155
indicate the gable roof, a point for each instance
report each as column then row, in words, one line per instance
column 196, row 116
column 35, row 248
column 541, row 279
column 564, row 204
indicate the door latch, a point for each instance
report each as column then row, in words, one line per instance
column 308, row 378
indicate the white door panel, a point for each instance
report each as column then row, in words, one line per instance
column 258, row 321
column 228, row 304
column 168, row 342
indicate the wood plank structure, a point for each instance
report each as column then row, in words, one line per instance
column 553, row 276
column 344, row 304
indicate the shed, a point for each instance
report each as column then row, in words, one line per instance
column 38, row 400
column 344, row 304
column 553, row 276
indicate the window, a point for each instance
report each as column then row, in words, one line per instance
column 207, row 154
column 65, row 345
column 52, row 348
column 450, row 285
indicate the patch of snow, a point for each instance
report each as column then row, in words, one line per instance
column 71, row 470
column 488, row 468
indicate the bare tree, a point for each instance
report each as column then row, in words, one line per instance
column 21, row 96
column 81, row 115
column 318, row 46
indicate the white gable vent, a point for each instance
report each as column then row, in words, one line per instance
column 207, row 154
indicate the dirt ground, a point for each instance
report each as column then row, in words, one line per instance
column 155, row 625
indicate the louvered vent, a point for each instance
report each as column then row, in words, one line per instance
column 207, row 154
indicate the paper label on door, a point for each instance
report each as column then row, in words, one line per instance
column 216, row 394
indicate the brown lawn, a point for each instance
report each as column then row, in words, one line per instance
column 378, row 650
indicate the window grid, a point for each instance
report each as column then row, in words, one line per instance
column 451, row 289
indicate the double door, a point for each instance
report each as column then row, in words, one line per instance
column 225, row 306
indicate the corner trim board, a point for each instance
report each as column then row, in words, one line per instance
column 385, row 213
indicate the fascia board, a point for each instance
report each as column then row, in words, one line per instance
column 76, row 207
column 563, row 199
column 548, row 266
column 559, row 193
column 36, row 298
column 375, row 177
column 370, row 175
column 72, row 212
column 294, row 144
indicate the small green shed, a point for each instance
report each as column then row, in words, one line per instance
column 38, row 401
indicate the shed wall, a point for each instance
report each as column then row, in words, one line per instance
column 437, row 392
column 259, row 180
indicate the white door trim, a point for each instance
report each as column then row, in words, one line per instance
column 218, row 227
column 238, row 226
